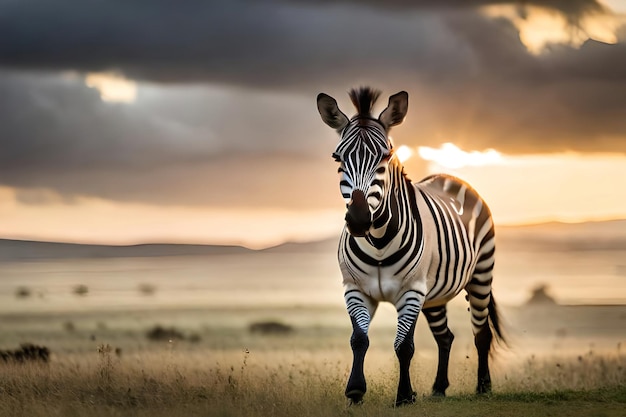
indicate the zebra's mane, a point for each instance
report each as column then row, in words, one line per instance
column 363, row 99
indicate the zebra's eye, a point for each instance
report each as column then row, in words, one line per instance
column 336, row 157
column 380, row 170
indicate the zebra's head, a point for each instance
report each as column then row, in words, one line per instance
column 364, row 152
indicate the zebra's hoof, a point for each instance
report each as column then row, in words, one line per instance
column 402, row 400
column 483, row 388
column 355, row 396
column 438, row 394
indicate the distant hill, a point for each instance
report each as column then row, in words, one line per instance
column 605, row 228
column 319, row 246
column 597, row 235
column 32, row 250
column 555, row 236
column 606, row 235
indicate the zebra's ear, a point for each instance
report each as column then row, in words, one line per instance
column 396, row 110
column 331, row 115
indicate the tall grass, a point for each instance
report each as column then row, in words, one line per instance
column 186, row 382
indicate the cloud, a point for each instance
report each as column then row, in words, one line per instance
column 112, row 87
column 182, row 146
column 224, row 112
column 269, row 44
column 52, row 122
column 259, row 44
column 513, row 101
column 574, row 8
column 41, row 196
column 254, row 44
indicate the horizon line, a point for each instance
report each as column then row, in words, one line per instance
column 272, row 244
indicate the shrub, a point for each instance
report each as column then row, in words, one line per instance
column 147, row 289
column 27, row 352
column 270, row 327
column 81, row 290
column 23, row 292
column 159, row 333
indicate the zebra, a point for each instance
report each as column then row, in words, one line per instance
column 415, row 245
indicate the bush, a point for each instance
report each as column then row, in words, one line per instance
column 26, row 353
column 81, row 290
column 147, row 289
column 270, row 327
column 159, row 333
column 23, row 292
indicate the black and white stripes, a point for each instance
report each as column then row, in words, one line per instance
column 356, row 306
column 466, row 258
column 408, row 306
column 414, row 245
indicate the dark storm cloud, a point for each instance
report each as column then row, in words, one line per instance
column 258, row 44
column 234, row 82
column 572, row 8
column 252, row 43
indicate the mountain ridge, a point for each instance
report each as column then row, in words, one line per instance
column 596, row 235
column 15, row 249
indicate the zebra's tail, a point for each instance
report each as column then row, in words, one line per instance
column 495, row 320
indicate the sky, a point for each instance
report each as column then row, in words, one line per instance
column 126, row 122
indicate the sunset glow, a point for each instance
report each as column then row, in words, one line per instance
column 112, row 87
column 95, row 220
column 523, row 189
column 404, row 153
column 451, row 156
column 520, row 189
column 541, row 27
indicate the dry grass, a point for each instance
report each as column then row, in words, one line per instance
column 231, row 371
column 177, row 380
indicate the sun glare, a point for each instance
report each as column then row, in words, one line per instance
column 112, row 87
column 451, row 156
column 403, row 153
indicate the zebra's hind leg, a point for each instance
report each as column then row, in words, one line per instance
column 480, row 300
column 483, row 306
column 438, row 322
column 408, row 306
column 361, row 309
column 482, row 340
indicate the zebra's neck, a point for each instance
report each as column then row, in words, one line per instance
column 397, row 218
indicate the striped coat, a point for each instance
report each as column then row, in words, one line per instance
column 415, row 245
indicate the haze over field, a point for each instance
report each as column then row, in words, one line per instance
column 576, row 270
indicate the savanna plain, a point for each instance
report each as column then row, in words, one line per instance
column 233, row 332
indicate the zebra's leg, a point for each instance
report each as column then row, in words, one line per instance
column 361, row 309
column 482, row 305
column 479, row 295
column 438, row 322
column 408, row 307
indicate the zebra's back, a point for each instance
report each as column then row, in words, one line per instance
column 459, row 234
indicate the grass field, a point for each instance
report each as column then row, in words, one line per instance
column 562, row 360
column 227, row 371
column 227, row 383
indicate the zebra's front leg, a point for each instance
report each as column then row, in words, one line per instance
column 361, row 309
column 408, row 308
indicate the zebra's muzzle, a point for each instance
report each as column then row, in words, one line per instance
column 358, row 217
